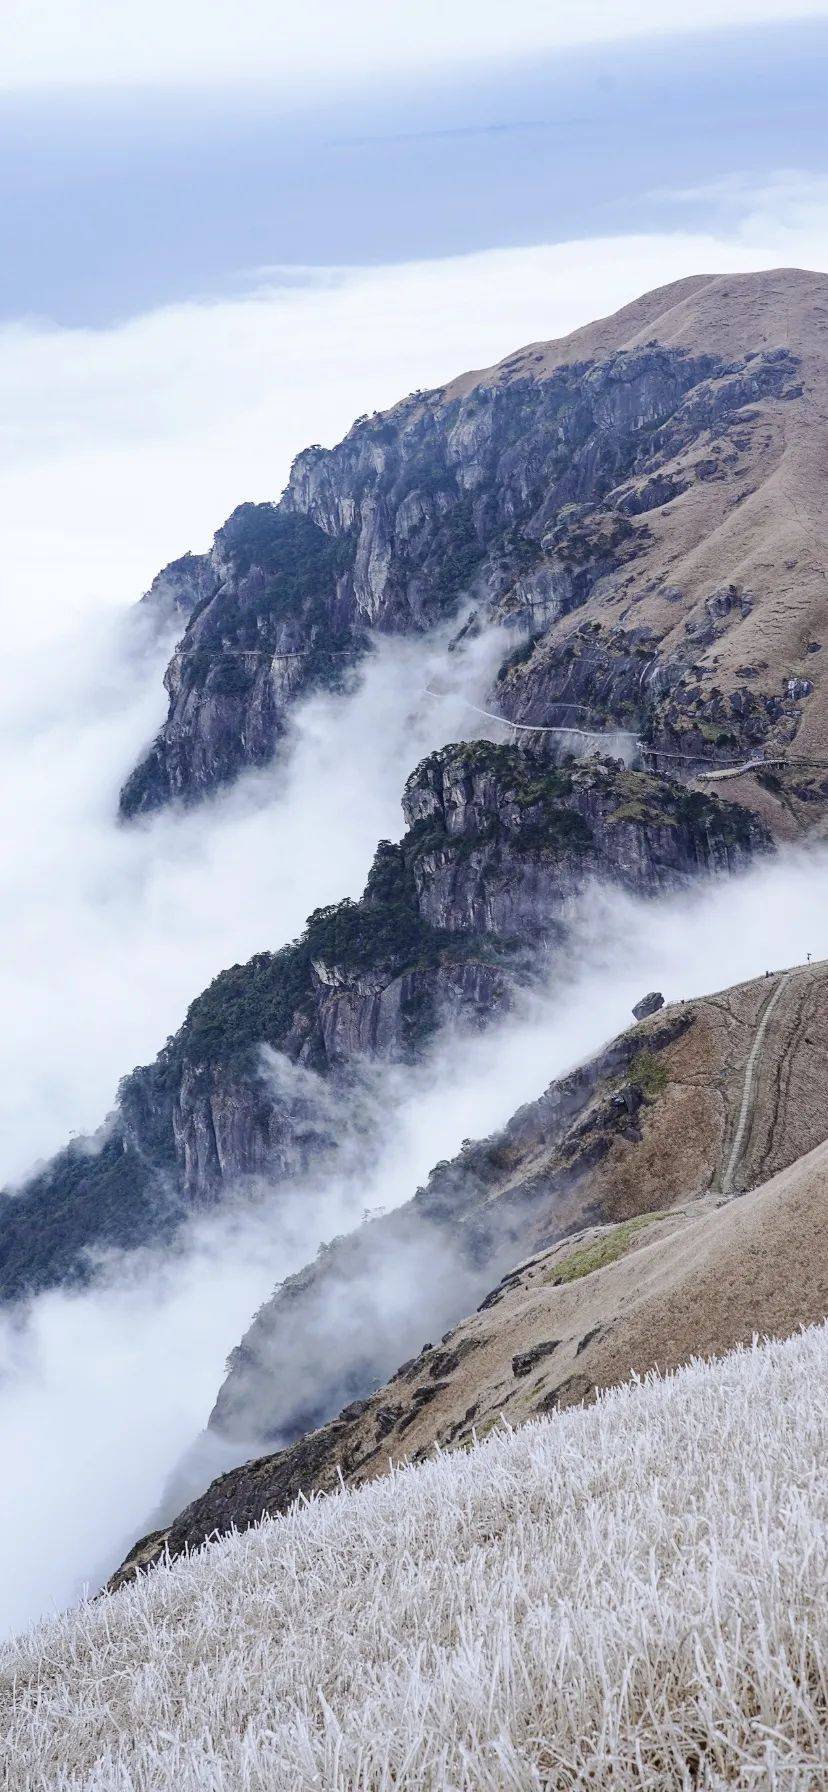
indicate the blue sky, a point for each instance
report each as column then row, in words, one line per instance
column 115, row 198
column 225, row 231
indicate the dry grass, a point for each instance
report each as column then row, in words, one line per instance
column 629, row 1596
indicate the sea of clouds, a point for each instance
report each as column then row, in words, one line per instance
column 120, row 449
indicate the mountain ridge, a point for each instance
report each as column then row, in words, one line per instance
column 642, row 509
column 636, row 512
column 453, row 922
column 626, row 1256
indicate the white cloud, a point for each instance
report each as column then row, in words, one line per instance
column 323, row 43
column 109, row 932
column 121, row 448
column 100, row 1392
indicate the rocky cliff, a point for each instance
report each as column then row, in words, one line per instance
column 649, row 1121
column 606, row 1196
column 499, row 842
column 642, row 501
column 336, row 1330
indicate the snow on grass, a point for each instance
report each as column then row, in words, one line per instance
column 632, row 1595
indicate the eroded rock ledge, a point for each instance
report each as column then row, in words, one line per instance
column 523, row 492
column 473, row 899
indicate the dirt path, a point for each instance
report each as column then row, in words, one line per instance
column 783, row 1088
column 746, row 1109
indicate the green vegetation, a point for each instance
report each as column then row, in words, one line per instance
column 147, row 785
column 649, row 1074
column 299, row 564
column 255, row 1003
column 106, row 1198
column 460, row 551
column 230, row 677
column 249, row 1004
column 603, row 1251
column 650, row 800
column 430, row 836
column 366, row 936
column 519, row 654
column 699, row 814
column 640, row 811
column 716, row 735
column 548, row 787
column 557, row 830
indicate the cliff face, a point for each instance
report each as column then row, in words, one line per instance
column 498, row 845
column 433, row 501
column 268, row 616
column 500, row 840
column 640, row 501
column 605, row 1194
column 336, row 1330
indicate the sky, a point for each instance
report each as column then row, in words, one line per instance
column 223, row 234
column 118, row 197
column 56, row 42
column 200, row 276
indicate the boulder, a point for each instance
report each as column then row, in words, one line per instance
column 649, row 1004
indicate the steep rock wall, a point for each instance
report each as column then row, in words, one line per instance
column 516, row 494
column 453, row 919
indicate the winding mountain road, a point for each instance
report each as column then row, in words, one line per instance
column 634, row 749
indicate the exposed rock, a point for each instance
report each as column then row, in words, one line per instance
column 439, row 498
column 264, row 625
column 689, row 1276
column 648, row 1005
column 572, row 477
column 527, row 1360
column 386, row 1419
column 499, row 843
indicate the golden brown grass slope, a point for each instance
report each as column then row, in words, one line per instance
column 679, row 1270
column 751, row 508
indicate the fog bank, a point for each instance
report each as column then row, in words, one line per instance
column 103, row 1389
column 111, row 931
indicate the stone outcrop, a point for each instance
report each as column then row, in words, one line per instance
column 648, row 1004
column 337, row 1329
column 569, row 493
column 590, row 1234
column 437, row 500
column 476, row 895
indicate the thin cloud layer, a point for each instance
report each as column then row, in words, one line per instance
column 122, row 448
column 101, row 1391
column 109, row 932
column 182, row 43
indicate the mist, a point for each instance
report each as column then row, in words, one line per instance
column 123, row 447
column 109, row 932
column 112, row 930
column 102, row 1390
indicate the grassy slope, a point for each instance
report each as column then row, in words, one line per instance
column 632, row 1595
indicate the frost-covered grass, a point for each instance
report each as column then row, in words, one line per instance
column 635, row 1595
